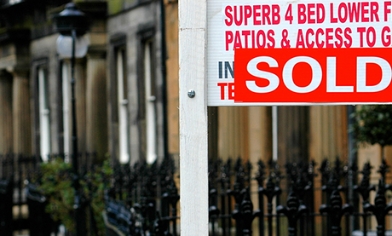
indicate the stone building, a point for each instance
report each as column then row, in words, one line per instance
column 127, row 92
column 137, row 84
column 120, row 82
column 36, row 81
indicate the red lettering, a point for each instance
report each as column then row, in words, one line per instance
column 237, row 40
column 319, row 42
column 371, row 37
column 266, row 12
column 300, row 39
column 238, row 18
column 288, row 16
column 347, row 35
column 246, row 33
column 222, row 90
column 248, row 13
column 229, row 17
column 301, row 13
column 256, row 15
column 328, row 38
column 339, row 38
column 324, row 38
column 386, row 36
column 361, row 30
column 249, row 39
column 253, row 39
column 229, row 39
column 311, row 13
column 343, row 12
column 387, row 10
column 374, row 11
column 309, row 44
column 275, row 14
column 320, row 13
column 230, row 90
column 354, row 11
column 271, row 39
column 260, row 35
column 365, row 11
column 333, row 19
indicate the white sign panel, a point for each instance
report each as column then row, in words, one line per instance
column 309, row 50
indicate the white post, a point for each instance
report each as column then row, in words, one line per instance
column 193, row 117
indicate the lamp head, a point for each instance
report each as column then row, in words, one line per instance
column 71, row 18
column 64, row 46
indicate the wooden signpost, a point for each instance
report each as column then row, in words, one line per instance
column 305, row 52
column 193, row 117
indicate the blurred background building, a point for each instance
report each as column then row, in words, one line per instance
column 127, row 92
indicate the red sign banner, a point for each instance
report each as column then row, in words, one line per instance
column 317, row 75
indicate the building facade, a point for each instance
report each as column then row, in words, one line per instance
column 136, row 88
column 120, row 98
column 127, row 93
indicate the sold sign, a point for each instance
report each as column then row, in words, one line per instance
column 280, row 75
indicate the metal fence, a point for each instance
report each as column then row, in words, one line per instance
column 299, row 199
column 15, row 170
column 329, row 198
column 143, row 200
column 22, row 205
column 262, row 199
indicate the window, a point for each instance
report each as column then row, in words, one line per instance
column 66, row 73
column 150, row 100
column 122, row 95
column 44, row 113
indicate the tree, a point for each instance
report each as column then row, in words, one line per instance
column 373, row 125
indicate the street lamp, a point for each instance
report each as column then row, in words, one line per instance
column 72, row 24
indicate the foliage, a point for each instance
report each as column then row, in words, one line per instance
column 57, row 185
column 373, row 124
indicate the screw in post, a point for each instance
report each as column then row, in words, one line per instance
column 191, row 93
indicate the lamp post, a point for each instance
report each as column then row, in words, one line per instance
column 72, row 24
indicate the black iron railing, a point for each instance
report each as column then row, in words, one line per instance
column 22, row 205
column 262, row 199
column 149, row 195
column 244, row 199
column 15, row 171
column 300, row 199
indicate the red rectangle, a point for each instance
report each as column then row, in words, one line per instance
column 283, row 75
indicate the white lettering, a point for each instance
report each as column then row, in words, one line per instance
column 331, row 78
column 317, row 74
column 288, row 74
column 361, row 74
column 253, row 70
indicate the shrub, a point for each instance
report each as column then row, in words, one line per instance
column 57, row 186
